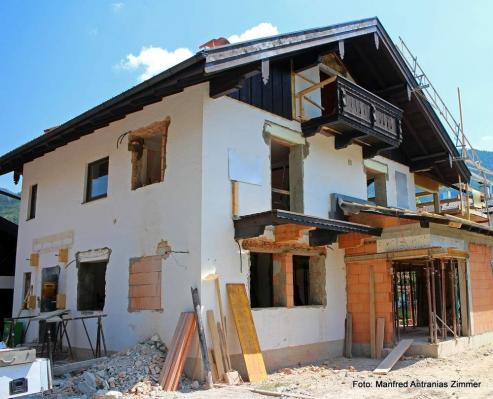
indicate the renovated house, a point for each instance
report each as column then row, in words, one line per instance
column 293, row 164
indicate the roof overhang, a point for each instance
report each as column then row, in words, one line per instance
column 238, row 54
column 153, row 90
column 322, row 231
column 230, row 64
column 352, row 207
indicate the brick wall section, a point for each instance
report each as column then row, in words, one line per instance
column 288, row 232
column 358, row 291
column 282, row 279
column 144, row 291
column 481, row 287
column 358, row 296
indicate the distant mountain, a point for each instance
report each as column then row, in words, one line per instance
column 9, row 208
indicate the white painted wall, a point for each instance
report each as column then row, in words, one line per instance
column 391, row 183
column 191, row 209
column 231, row 124
column 130, row 222
column 283, row 327
column 329, row 171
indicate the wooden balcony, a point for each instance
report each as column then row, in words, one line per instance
column 353, row 114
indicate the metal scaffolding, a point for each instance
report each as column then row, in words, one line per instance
column 480, row 174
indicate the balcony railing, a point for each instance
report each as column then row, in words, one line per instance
column 352, row 113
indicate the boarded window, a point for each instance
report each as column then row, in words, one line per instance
column 91, row 285
column 144, row 291
column 33, row 198
column 402, row 192
column 97, row 179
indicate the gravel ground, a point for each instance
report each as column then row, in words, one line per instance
column 338, row 378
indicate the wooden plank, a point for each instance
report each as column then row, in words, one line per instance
column 169, row 357
column 216, row 344
column 196, row 361
column 234, row 198
column 170, row 376
column 380, row 336
column 428, row 184
column 215, row 377
column 217, row 286
column 348, row 341
column 247, row 335
column 185, row 348
column 463, row 299
column 371, row 279
column 386, row 365
column 180, row 345
column 224, row 347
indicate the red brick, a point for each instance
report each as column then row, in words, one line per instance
column 144, row 278
column 142, row 291
column 148, row 303
column 145, row 264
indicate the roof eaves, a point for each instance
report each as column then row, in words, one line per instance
column 429, row 111
column 6, row 158
column 233, row 55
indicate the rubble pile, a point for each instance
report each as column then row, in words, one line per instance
column 134, row 371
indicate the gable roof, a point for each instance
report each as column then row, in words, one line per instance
column 243, row 58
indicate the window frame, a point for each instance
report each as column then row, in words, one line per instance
column 27, row 282
column 79, row 303
column 306, row 279
column 32, row 205
column 256, row 255
column 88, row 182
column 283, row 193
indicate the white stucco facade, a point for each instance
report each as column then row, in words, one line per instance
column 131, row 223
column 191, row 209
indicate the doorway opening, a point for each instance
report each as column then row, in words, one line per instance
column 49, row 288
column 429, row 299
column 91, row 285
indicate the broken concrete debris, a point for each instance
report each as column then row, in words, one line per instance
column 132, row 372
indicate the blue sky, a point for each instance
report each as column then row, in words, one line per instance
column 60, row 58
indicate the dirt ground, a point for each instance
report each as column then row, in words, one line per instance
column 338, row 378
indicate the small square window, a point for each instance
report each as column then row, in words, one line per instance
column 97, row 179
column 33, row 196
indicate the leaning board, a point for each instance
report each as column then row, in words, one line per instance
column 247, row 335
column 386, row 365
